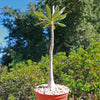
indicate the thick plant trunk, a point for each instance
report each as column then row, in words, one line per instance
column 51, row 83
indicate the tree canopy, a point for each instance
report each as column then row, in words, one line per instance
column 26, row 41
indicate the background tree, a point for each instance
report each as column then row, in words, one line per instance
column 25, row 40
column 6, row 59
column 82, row 23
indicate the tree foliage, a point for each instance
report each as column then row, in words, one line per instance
column 25, row 40
column 28, row 41
column 82, row 23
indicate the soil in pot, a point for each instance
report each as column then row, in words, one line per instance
column 42, row 92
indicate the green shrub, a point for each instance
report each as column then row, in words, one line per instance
column 11, row 97
column 80, row 71
column 20, row 81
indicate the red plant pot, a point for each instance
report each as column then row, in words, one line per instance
column 50, row 97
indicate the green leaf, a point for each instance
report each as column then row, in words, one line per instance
column 60, row 24
column 46, row 26
column 62, row 10
column 57, row 8
column 60, row 17
column 40, row 19
column 40, row 23
column 40, row 14
column 56, row 14
column 48, row 11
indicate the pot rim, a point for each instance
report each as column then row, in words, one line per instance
column 52, row 95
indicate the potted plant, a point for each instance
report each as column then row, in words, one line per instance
column 51, row 91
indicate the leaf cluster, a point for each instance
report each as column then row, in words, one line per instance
column 51, row 17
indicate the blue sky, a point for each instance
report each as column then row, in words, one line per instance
column 19, row 4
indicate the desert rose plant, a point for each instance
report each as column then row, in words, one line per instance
column 50, row 19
